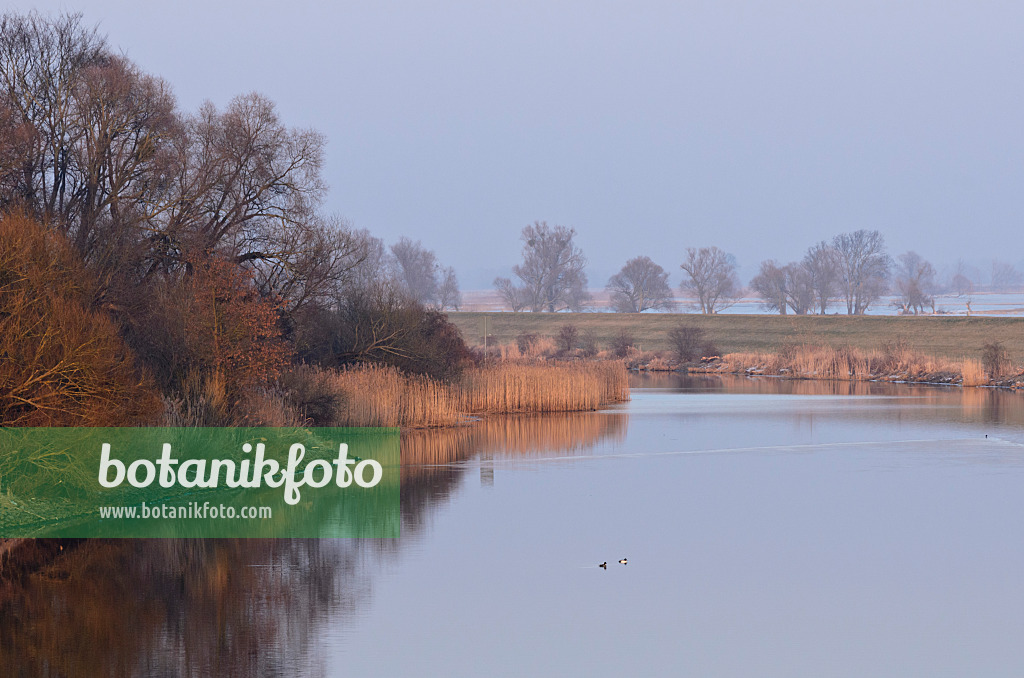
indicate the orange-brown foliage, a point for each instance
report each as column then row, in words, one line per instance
column 229, row 330
column 61, row 363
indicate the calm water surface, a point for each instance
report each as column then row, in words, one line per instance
column 772, row 528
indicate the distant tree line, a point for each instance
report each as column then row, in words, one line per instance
column 852, row 270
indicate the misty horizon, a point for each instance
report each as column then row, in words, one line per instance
column 648, row 129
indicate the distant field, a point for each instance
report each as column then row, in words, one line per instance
column 949, row 337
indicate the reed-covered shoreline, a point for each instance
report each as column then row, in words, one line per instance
column 895, row 362
column 374, row 395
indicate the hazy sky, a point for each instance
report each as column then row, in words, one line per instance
column 760, row 127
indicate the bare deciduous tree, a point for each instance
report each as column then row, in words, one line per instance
column 962, row 282
column 415, row 269
column 640, row 285
column 41, row 61
column 552, row 272
column 771, row 285
column 711, row 278
column 823, row 274
column 448, row 294
column 515, row 297
column 799, row 290
column 1005, row 277
column 863, row 268
column 915, row 283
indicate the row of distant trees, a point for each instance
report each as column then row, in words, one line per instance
column 853, row 270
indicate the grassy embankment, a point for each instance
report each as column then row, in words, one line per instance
column 859, row 347
column 952, row 338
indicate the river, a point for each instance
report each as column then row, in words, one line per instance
column 770, row 527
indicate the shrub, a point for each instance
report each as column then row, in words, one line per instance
column 589, row 344
column 311, row 392
column 621, row 344
column 383, row 327
column 689, row 343
column 525, row 341
column 568, row 337
column 995, row 359
column 897, row 355
column 61, row 363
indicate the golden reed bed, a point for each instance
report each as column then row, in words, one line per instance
column 847, row 363
column 383, row 396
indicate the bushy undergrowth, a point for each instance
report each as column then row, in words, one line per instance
column 61, row 362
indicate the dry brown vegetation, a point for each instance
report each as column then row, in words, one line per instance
column 61, row 363
column 555, row 387
column 895, row 362
column 370, row 395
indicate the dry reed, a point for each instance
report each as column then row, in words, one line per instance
column 897, row 362
column 509, row 387
column 973, row 373
column 385, row 396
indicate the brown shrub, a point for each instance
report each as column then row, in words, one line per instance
column 622, row 342
column 61, row 363
column 568, row 337
column 995, row 359
column 229, row 329
column 689, row 343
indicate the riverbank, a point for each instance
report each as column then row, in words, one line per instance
column 899, row 364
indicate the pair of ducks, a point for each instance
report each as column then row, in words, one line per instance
column 605, row 563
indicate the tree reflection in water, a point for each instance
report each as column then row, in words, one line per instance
column 237, row 607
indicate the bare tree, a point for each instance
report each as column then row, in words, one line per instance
column 915, row 283
column 448, row 294
column 822, row 268
column 370, row 262
column 1005, row 277
column 244, row 177
column 41, row 62
column 799, row 288
column 516, row 298
column 962, row 282
column 552, row 269
column 640, row 285
column 711, row 278
column 863, row 268
column 311, row 263
column 415, row 270
column 771, row 285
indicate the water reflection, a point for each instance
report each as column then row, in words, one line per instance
column 180, row 608
column 757, row 514
column 235, row 607
column 916, row 402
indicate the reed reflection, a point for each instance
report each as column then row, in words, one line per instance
column 918, row 402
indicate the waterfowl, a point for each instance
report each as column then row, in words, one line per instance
column 623, row 561
column 604, row 565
